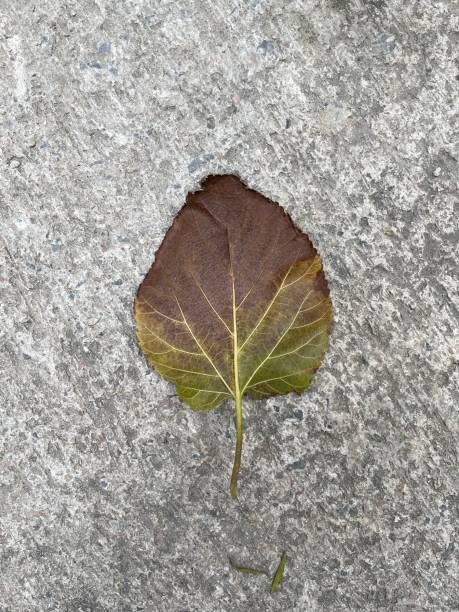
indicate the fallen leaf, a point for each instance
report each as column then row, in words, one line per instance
column 236, row 302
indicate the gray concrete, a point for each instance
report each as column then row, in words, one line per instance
column 114, row 495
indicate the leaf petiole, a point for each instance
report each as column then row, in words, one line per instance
column 238, row 453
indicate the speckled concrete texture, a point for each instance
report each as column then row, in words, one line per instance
column 113, row 494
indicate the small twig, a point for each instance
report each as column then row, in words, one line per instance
column 247, row 570
column 277, row 578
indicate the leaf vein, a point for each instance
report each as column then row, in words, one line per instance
column 261, row 382
column 215, row 311
column 265, row 313
column 158, row 311
column 205, row 390
column 202, row 349
column 298, row 347
column 278, row 341
column 169, row 367
column 172, row 346
column 310, row 323
column 300, row 277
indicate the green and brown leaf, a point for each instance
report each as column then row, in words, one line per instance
column 236, row 302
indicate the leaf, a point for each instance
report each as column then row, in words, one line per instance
column 236, row 302
column 247, row 570
column 279, row 573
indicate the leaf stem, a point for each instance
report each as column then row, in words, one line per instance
column 238, row 453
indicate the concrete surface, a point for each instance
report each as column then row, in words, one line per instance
column 114, row 495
